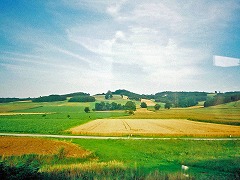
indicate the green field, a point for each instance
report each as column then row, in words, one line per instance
column 214, row 157
column 128, row 159
column 59, row 117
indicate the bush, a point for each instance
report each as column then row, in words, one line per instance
column 157, row 106
column 20, row 171
column 86, row 109
column 168, row 105
column 143, row 105
column 130, row 106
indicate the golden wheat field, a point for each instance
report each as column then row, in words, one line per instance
column 19, row 146
column 152, row 127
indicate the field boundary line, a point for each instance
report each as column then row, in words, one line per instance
column 117, row 137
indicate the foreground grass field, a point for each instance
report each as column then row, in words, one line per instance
column 201, row 156
column 140, row 159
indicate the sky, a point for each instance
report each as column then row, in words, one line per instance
column 58, row 47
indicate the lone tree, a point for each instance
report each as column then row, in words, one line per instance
column 143, row 105
column 108, row 95
column 168, row 105
column 157, row 106
column 130, row 106
column 86, row 109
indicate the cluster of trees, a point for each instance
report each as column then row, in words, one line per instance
column 76, row 94
column 180, row 99
column 133, row 96
column 222, row 98
column 50, row 98
column 83, row 98
column 114, row 106
column 108, row 95
column 7, row 100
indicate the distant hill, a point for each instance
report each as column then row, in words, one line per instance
column 133, row 96
column 176, row 99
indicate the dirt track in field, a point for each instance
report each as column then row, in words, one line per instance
column 24, row 145
column 159, row 127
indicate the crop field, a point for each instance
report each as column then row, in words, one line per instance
column 155, row 127
column 18, row 146
column 221, row 114
column 129, row 159
column 47, row 118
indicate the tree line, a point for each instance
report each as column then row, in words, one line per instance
column 222, row 98
column 102, row 106
column 180, row 99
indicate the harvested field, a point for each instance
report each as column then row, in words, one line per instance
column 148, row 102
column 155, row 127
column 18, row 146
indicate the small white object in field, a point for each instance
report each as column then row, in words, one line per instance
column 185, row 167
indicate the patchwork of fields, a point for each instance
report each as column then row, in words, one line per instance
column 206, row 159
column 155, row 127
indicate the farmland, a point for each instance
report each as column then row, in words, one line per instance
column 123, row 159
column 155, row 127
column 18, row 146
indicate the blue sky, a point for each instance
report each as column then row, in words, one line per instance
column 56, row 47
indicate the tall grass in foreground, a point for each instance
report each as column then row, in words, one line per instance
column 36, row 167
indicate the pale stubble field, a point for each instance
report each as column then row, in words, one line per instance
column 155, row 127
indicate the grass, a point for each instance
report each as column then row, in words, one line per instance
column 141, row 159
column 62, row 116
column 211, row 157
column 51, row 123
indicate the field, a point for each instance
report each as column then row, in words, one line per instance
column 18, row 146
column 47, row 118
column 154, row 127
column 122, row 159
column 204, row 158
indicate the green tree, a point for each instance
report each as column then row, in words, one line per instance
column 143, row 105
column 86, row 109
column 168, row 105
column 130, row 106
column 157, row 106
column 108, row 95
